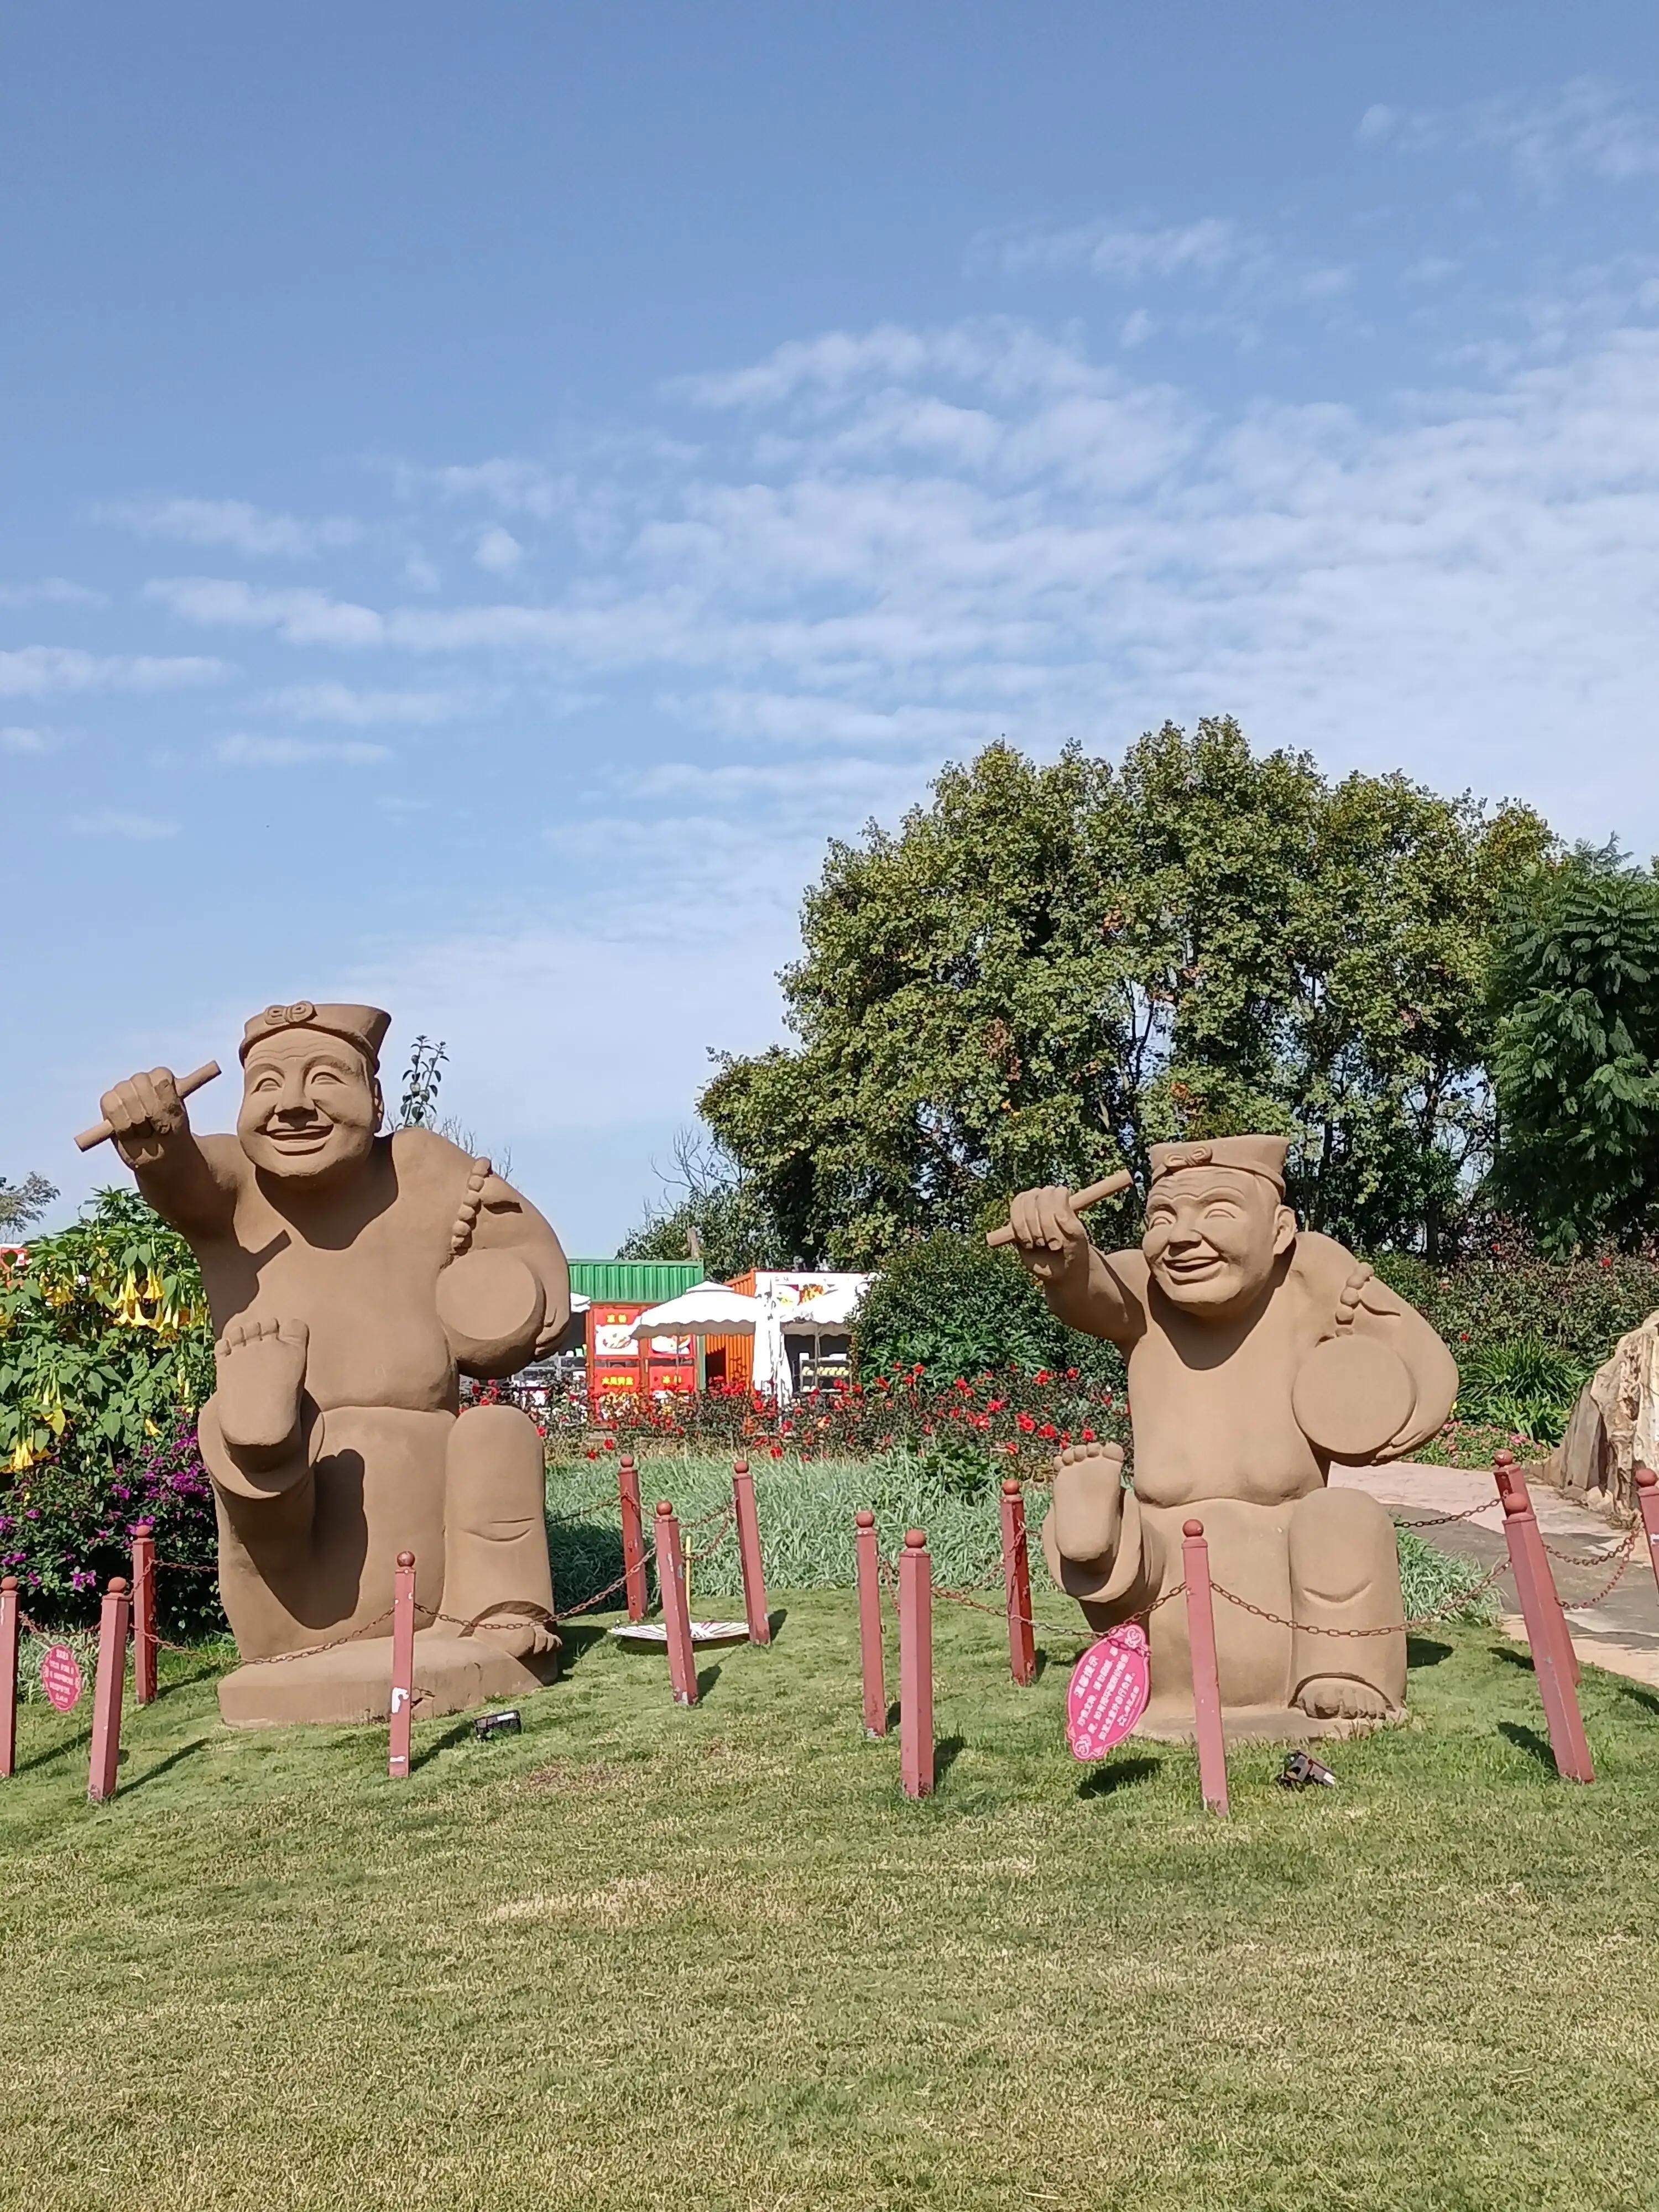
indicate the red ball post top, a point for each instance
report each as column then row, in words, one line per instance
column 1192, row 1527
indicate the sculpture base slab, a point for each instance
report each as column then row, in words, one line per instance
column 1169, row 1723
column 353, row 1682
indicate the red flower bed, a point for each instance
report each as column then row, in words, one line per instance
column 1013, row 1422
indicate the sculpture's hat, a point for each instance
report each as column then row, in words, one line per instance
column 363, row 1026
column 1256, row 1156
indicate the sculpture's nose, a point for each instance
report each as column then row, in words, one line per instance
column 294, row 1099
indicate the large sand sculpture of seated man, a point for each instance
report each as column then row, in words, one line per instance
column 1257, row 1356
column 352, row 1279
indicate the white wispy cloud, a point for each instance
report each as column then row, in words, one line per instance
column 1131, row 252
column 908, row 541
column 1586, row 126
column 14, row 738
column 301, row 617
column 236, row 523
column 33, row 671
column 110, row 822
column 1216, row 253
column 50, row 592
column 366, row 709
column 498, row 551
column 242, row 750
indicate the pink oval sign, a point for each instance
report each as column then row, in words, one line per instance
column 1109, row 1688
column 60, row 1677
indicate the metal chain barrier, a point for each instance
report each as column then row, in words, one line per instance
column 1453, row 1605
column 1447, row 1519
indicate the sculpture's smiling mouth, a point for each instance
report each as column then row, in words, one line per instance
column 302, row 1140
column 1193, row 1268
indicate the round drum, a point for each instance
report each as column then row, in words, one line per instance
column 1352, row 1395
column 491, row 1307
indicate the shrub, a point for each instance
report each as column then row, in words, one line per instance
column 104, row 1339
column 1505, row 1292
column 1524, row 1386
column 952, row 1306
column 66, row 1526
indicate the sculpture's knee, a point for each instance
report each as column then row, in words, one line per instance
column 1341, row 1545
column 496, row 1473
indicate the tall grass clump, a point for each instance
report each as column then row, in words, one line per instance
column 806, row 1510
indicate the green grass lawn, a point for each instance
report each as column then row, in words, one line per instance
column 643, row 1957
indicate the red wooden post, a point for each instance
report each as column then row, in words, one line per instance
column 676, row 1609
column 8, row 1674
column 143, row 1614
column 870, row 1651
column 107, row 1693
column 1546, row 1632
column 1017, row 1583
column 403, row 1666
column 1207, row 1677
column 633, row 1536
column 916, row 1612
column 1647, row 1498
column 1511, row 1483
column 749, row 1551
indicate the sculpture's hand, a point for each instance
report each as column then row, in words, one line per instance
column 148, row 1118
column 1087, row 1513
column 1048, row 1236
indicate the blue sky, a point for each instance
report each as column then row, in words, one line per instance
column 489, row 490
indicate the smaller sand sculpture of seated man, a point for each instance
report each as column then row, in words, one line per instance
column 1258, row 1355
column 352, row 1279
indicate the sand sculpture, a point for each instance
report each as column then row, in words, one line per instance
column 352, row 1279
column 1258, row 1355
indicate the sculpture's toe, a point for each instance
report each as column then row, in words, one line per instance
column 1339, row 1697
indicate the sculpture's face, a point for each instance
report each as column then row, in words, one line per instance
column 1212, row 1237
column 310, row 1106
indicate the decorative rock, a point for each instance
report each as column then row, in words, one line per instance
column 1614, row 1428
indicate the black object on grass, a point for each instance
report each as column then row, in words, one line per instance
column 1302, row 1769
column 506, row 1723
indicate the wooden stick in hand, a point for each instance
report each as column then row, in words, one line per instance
column 184, row 1085
column 1110, row 1188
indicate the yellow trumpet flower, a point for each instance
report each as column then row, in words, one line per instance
column 22, row 1460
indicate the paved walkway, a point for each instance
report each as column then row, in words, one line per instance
column 1620, row 1632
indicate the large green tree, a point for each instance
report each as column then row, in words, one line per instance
column 1050, row 967
column 1576, row 990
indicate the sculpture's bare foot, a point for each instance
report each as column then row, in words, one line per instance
column 261, row 1373
column 522, row 1638
column 1339, row 1698
column 1088, row 1507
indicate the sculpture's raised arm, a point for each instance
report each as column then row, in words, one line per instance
column 151, row 1129
column 1089, row 1290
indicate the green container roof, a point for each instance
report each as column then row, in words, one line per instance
column 636, row 1282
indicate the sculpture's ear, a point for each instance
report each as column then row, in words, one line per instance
column 380, row 1100
column 1284, row 1232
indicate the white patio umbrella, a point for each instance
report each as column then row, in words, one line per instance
column 833, row 1311
column 830, row 1314
column 706, row 1309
